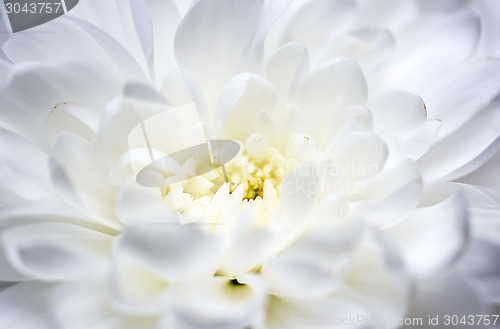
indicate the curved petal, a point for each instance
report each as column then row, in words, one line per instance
column 242, row 98
column 377, row 278
column 443, row 41
column 172, row 252
column 286, row 69
column 458, row 95
column 231, row 26
column 139, row 205
column 218, row 302
column 25, row 172
column 248, row 252
column 446, row 293
column 24, row 306
column 298, row 196
column 134, row 289
column 389, row 197
column 485, row 175
column 80, row 175
column 81, row 40
column 337, row 84
column 464, row 150
column 361, row 155
column 54, row 251
column 44, row 85
column 165, row 18
column 79, row 300
column 314, row 265
column 400, row 118
column 70, row 117
column 298, row 28
column 432, row 238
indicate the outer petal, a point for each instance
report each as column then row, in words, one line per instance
column 464, row 150
column 401, row 120
column 25, row 170
column 390, row 197
column 80, row 175
column 54, row 251
column 215, row 303
column 432, row 238
column 88, row 301
column 44, row 85
column 24, row 306
column 314, row 265
column 337, row 84
column 447, row 293
column 458, row 95
column 443, row 41
column 231, row 26
column 81, row 40
column 172, row 252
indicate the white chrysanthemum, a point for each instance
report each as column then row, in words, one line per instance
column 349, row 204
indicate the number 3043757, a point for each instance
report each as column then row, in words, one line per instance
column 34, row 8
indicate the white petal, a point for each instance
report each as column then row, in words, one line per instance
column 485, row 174
column 73, row 118
column 443, row 41
column 458, row 95
column 172, row 252
column 80, row 175
column 377, row 278
column 120, row 116
column 24, row 306
column 446, row 293
column 165, row 17
column 138, row 205
column 138, row 27
column 286, row 68
column 89, row 301
column 369, row 47
column 347, row 120
column 466, row 149
column 314, row 265
column 401, row 119
column 25, row 172
column 396, row 112
column 256, row 146
column 361, row 155
column 82, row 41
column 54, row 251
column 7, row 273
column 431, row 238
column 242, row 98
column 337, row 84
column 298, row 196
column 218, row 302
column 390, row 13
column 134, row 289
column 301, row 147
column 390, row 197
column 248, row 252
column 231, row 26
column 44, row 85
column 322, row 13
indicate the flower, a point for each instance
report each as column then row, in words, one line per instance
column 347, row 203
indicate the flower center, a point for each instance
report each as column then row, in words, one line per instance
column 253, row 171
